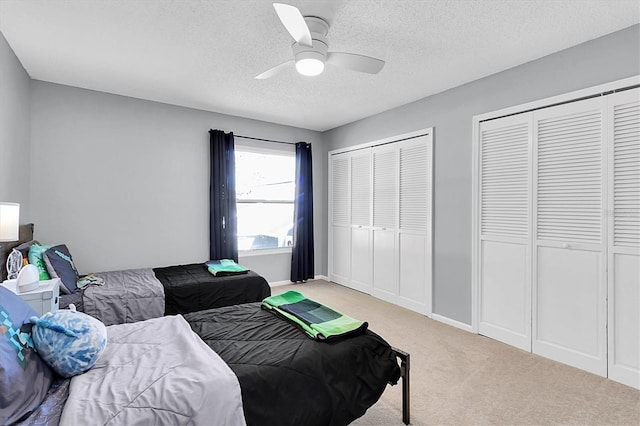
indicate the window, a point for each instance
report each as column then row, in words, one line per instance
column 265, row 192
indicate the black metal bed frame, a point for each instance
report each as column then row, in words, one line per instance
column 404, row 376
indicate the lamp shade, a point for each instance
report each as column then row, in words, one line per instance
column 9, row 221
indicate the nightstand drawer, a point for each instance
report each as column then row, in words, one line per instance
column 43, row 299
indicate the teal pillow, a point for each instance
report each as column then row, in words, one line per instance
column 36, row 253
column 69, row 342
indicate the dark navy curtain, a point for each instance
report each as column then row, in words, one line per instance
column 302, row 251
column 223, row 225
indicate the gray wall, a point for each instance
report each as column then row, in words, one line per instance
column 124, row 182
column 14, row 131
column 605, row 59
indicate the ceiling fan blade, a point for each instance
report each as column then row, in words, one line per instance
column 294, row 22
column 273, row 71
column 355, row 62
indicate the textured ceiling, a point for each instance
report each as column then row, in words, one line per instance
column 205, row 54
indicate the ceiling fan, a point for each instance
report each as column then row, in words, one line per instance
column 310, row 46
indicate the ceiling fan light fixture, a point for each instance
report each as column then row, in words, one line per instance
column 310, row 67
column 310, row 63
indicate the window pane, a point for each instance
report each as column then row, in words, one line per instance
column 263, row 225
column 265, row 182
column 262, row 176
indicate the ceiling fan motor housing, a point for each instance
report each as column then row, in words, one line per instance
column 318, row 28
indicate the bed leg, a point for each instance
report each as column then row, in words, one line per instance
column 404, row 375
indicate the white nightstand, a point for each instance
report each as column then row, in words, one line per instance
column 43, row 299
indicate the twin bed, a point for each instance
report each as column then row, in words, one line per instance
column 191, row 288
column 138, row 294
column 284, row 376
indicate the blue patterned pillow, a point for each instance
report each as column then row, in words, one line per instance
column 70, row 342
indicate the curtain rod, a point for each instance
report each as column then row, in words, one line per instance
column 263, row 140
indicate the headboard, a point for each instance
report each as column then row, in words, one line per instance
column 26, row 234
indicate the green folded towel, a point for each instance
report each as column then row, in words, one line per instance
column 317, row 320
column 225, row 267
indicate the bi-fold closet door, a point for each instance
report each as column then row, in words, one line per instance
column 380, row 221
column 402, row 194
column 569, row 243
column 505, row 230
column 559, row 243
column 360, row 177
column 350, row 219
column 623, row 211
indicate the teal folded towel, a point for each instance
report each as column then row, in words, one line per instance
column 224, row 267
column 317, row 320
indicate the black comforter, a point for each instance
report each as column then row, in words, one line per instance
column 287, row 378
column 190, row 288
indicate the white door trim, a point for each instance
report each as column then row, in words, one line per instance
column 427, row 131
column 563, row 98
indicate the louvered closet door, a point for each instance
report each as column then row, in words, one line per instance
column 569, row 284
column 361, row 220
column 414, row 239
column 340, row 229
column 623, row 119
column 385, row 222
column 505, row 253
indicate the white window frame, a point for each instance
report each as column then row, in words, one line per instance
column 262, row 147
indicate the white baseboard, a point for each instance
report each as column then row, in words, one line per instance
column 452, row 322
column 287, row 282
column 279, row 283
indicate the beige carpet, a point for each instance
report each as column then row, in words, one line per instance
column 459, row 378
